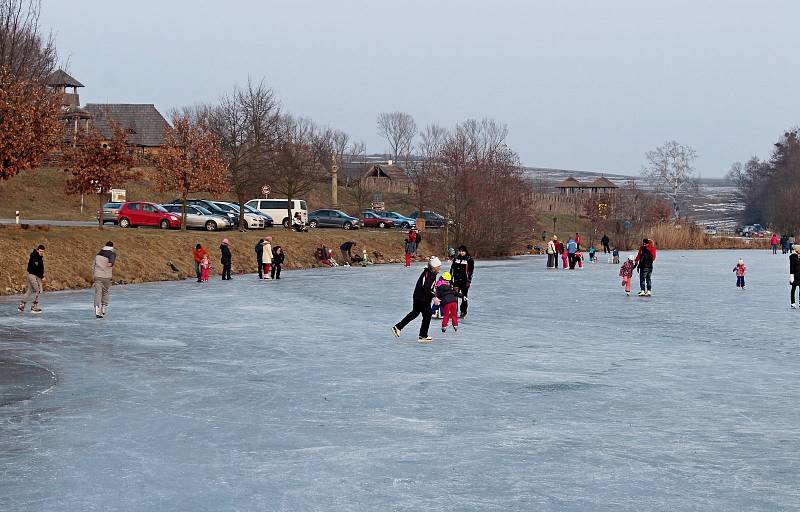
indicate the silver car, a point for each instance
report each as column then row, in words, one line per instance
column 200, row 218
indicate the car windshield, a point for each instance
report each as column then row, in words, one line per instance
column 226, row 207
column 160, row 208
column 252, row 210
column 202, row 210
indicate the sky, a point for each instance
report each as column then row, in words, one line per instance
column 581, row 84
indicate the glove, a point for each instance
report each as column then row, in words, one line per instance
column 437, row 301
column 465, row 299
column 791, row 278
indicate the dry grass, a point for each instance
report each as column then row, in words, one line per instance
column 668, row 236
column 145, row 254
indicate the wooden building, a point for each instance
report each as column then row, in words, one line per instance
column 387, row 178
column 601, row 185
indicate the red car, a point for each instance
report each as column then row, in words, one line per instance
column 374, row 220
column 133, row 214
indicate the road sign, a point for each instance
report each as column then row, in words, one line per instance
column 265, row 190
column 378, row 206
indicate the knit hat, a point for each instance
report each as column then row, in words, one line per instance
column 224, row 241
column 435, row 262
column 447, row 276
column 462, row 248
column 269, row 239
column 741, row 262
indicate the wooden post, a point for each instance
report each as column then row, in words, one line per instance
column 334, row 186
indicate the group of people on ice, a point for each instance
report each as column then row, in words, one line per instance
column 433, row 293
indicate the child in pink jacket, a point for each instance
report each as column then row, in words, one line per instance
column 626, row 272
column 740, row 270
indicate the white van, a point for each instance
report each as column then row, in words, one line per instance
column 278, row 209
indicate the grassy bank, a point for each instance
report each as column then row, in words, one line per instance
column 668, row 236
column 146, row 254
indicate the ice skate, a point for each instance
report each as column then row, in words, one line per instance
column 21, row 307
column 104, row 309
column 648, row 293
column 425, row 339
column 444, row 330
column 35, row 309
column 98, row 313
column 396, row 331
column 455, row 328
column 642, row 293
column 794, row 305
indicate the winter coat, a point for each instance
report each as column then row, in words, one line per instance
column 604, row 240
column 572, row 247
column 198, row 254
column 774, row 240
column 551, row 247
column 447, row 293
column 36, row 265
column 278, row 257
column 646, row 256
column 462, row 268
column 226, row 254
column 347, row 246
column 794, row 266
column 103, row 265
column 260, row 252
column 740, row 270
column 626, row 270
column 424, row 290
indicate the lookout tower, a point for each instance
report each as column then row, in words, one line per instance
column 73, row 117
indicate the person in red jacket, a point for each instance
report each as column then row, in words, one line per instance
column 773, row 241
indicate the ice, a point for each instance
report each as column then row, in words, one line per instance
column 557, row 393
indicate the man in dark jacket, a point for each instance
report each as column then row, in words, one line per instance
column 462, row 268
column 35, row 280
column 347, row 256
column 424, row 292
column 644, row 264
column 604, row 242
column 260, row 258
column 225, row 259
column 794, row 273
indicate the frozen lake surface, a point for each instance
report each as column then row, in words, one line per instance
column 558, row 393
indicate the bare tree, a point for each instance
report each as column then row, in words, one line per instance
column 432, row 140
column 294, row 167
column 29, row 125
column 670, row 169
column 399, row 130
column 246, row 124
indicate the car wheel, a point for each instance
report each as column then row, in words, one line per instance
column 286, row 223
column 164, row 224
column 124, row 223
column 382, row 225
column 347, row 225
column 313, row 223
column 405, row 225
column 211, row 226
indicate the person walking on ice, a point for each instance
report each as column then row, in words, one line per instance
column 424, row 292
column 794, row 272
column 462, row 268
column 740, row 270
column 644, row 265
column 35, row 281
column 102, row 271
column 225, row 260
column 626, row 273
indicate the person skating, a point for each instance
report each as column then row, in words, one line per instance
column 604, row 242
column 552, row 258
column 197, row 253
column 740, row 269
column 225, row 259
column 268, row 260
column 564, row 257
column 424, row 292
column 436, row 304
column 277, row 262
column 102, row 272
column 462, row 269
column 34, row 285
column 578, row 240
column 579, row 259
column 626, row 273
column 794, row 272
column 615, row 256
column 773, row 241
column 347, row 256
column 592, row 254
column 448, row 297
column 572, row 248
column 644, row 265
column 260, row 258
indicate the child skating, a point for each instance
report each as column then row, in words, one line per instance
column 740, row 269
column 205, row 267
column 626, row 273
column 448, row 298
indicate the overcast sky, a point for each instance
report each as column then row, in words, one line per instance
column 586, row 85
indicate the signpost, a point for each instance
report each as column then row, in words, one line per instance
column 265, row 190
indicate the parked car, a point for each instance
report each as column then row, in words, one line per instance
column 332, row 219
column 268, row 221
column 110, row 211
column 251, row 221
column 375, row 220
column 213, row 208
column 710, row 230
column 279, row 208
column 400, row 221
column 134, row 214
column 432, row 219
column 199, row 217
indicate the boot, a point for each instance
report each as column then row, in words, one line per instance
column 35, row 308
column 21, row 307
column 104, row 309
column 98, row 312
